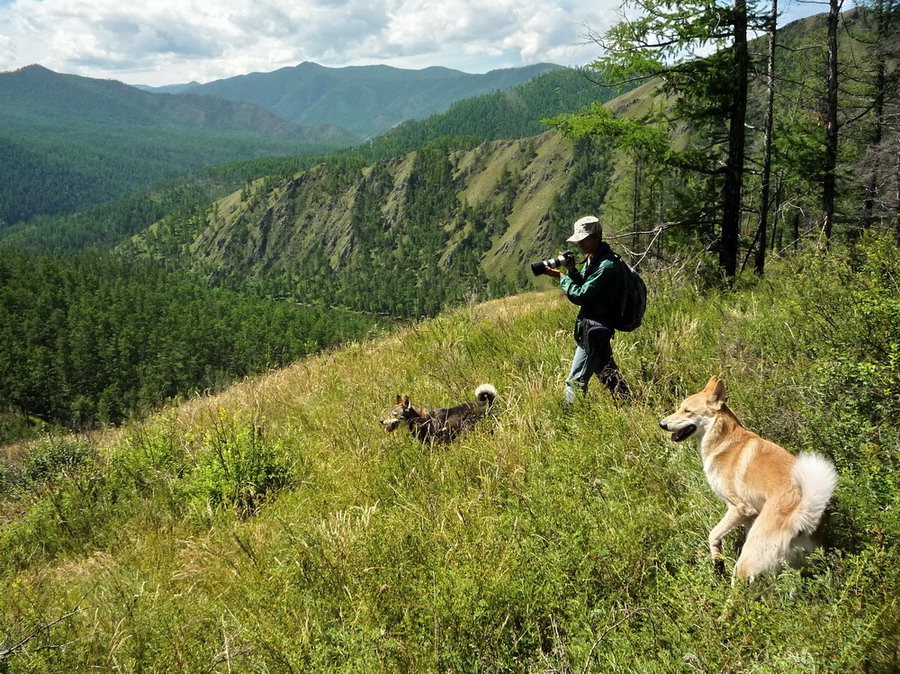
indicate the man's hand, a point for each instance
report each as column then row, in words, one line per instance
column 555, row 273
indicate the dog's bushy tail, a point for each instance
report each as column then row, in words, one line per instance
column 817, row 479
column 486, row 394
column 784, row 530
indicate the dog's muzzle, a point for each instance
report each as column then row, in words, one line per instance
column 679, row 434
column 390, row 424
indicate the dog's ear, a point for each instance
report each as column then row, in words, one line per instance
column 399, row 399
column 716, row 390
column 405, row 401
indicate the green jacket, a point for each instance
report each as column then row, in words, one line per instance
column 598, row 288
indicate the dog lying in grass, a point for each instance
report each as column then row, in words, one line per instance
column 440, row 425
column 779, row 497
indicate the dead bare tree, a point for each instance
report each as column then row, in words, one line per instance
column 21, row 644
column 760, row 262
column 829, row 174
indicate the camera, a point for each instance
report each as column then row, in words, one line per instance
column 538, row 268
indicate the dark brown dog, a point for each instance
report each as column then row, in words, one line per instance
column 441, row 425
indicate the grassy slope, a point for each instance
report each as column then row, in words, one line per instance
column 538, row 164
column 550, row 539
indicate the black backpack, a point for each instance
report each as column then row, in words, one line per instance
column 634, row 297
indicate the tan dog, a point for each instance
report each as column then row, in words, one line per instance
column 778, row 496
column 440, row 425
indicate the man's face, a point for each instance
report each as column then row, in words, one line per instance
column 589, row 244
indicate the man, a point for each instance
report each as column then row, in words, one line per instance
column 598, row 289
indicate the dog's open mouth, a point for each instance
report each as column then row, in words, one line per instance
column 389, row 424
column 684, row 433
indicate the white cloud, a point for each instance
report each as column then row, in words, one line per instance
column 171, row 41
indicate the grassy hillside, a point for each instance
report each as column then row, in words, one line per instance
column 275, row 527
column 482, row 211
column 68, row 142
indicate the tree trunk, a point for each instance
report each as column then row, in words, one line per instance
column 776, row 233
column 734, row 167
column 878, row 109
column 897, row 206
column 796, row 243
column 767, row 151
column 831, row 122
column 636, row 201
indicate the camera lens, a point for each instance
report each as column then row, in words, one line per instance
column 538, row 268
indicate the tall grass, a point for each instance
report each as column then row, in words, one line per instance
column 275, row 528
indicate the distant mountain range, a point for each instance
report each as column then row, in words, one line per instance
column 36, row 95
column 509, row 114
column 68, row 142
column 365, row 100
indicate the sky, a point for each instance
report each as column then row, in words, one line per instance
column 178, row 41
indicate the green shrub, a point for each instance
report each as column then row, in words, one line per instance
column 55, row 458
column 67, row 500
column 847, row 311
column 15, row 426
column 236, row 467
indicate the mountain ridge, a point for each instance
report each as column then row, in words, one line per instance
column 72, row 141
column 309, row 93
column 38, row 92
column 489, row 208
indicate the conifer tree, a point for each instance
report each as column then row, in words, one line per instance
column 698, row 51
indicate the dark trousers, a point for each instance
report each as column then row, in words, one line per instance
column 594, row 356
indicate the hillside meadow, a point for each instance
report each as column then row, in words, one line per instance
column 275, row 527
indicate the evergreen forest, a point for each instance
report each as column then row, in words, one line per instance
column 89, row 339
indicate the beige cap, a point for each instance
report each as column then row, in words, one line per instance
column 584, row 227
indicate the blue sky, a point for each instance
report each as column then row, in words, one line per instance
column 176, row 41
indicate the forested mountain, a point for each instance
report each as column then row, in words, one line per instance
column 513, row 113
column 404, row 236
column 105, row 225
column 68, row 142
column 365, row 100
